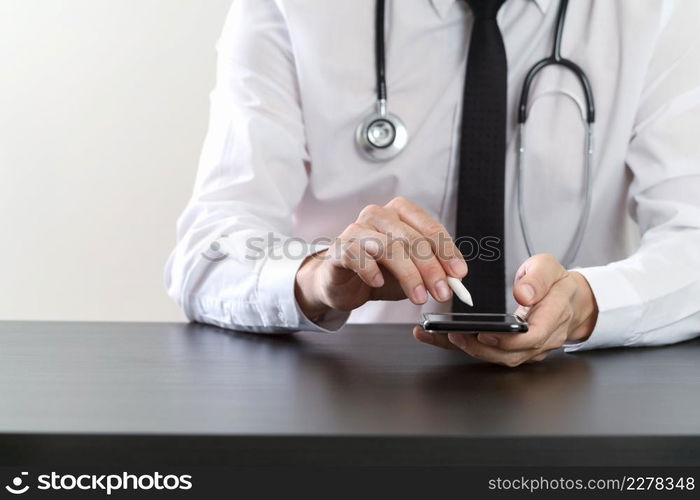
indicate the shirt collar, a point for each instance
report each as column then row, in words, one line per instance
column 442, row 6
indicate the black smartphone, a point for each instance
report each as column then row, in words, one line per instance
column 473, row 323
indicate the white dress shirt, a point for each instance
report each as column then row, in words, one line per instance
column 295, row 77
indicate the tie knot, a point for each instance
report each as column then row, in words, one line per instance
column 485, row 9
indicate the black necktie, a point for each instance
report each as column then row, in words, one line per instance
column 480, row 205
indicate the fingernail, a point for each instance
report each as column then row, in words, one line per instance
column 420, row 295
column 528, row 292
column 457, row 339
column 459, row 268
column 378, row 280
column 424, row 336
column 488, row 339
column 443, row 291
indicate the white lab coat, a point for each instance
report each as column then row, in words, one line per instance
column 295, row 77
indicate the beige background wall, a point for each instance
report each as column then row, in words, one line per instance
column 103, row 109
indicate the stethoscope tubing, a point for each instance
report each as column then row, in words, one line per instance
column 380, row 50
column 556, row 59
column 375, row 153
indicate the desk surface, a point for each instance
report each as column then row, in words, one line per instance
column 366, row 395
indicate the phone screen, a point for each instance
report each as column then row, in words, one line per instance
column 487, row 318
column 474, row 323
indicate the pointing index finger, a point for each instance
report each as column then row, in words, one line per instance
column 440, row 240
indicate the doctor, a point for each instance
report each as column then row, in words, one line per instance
column 359, row 153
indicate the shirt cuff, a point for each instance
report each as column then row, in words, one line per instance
column 619, row 309
column 276, row 288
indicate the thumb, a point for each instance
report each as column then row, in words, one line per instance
column 535, row 277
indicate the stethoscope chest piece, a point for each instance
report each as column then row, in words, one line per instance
column 381, row 136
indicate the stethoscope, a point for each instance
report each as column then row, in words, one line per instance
column 382, row 135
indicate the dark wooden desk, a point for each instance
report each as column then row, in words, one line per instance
column 177, row 394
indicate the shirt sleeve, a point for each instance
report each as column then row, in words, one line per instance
column 653, row 297
column 235, row 263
